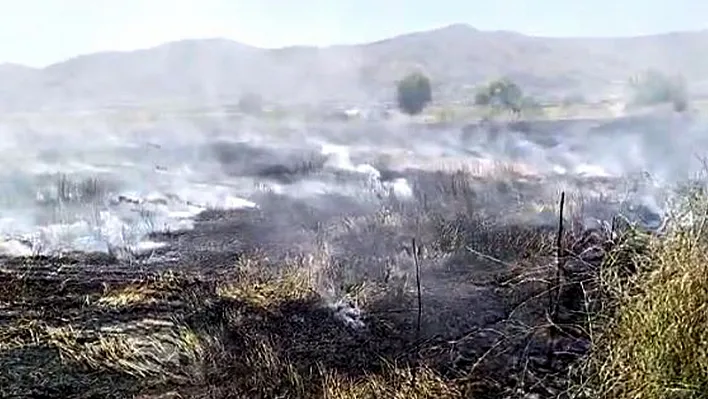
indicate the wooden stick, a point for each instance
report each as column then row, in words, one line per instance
column 554, row 302
column 559, row 258
column 414, row 247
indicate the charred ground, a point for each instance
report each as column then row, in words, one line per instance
column 264, row 302
column 316, row 296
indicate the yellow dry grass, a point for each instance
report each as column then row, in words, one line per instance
column 292, row 285
column 141, row 292
column 655, row 343
column 394, row 383
column 138, row 353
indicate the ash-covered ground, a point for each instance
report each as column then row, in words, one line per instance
column 87, row 214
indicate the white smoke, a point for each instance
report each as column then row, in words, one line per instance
column 166, row 172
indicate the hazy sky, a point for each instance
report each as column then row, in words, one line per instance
column 40, row 32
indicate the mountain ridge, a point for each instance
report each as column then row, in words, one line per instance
column 457, row 57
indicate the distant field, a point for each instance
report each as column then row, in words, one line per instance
column 436, row 113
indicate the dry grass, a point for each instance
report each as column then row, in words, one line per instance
column 143, row 292
column 654, row 341
column 394, row 383
column 290, row 285
column 20, row 334
column 140, row 353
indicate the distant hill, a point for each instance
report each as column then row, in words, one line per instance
column 214, row 71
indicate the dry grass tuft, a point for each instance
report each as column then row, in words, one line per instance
column 171, row 355
column 394, row 383
column 655, row 342
column 141, row 293
column 20, row 334
column 269, row 292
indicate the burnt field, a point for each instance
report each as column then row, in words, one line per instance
column 464, row 282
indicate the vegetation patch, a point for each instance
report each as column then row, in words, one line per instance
column 653, row 342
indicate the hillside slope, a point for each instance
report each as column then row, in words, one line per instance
column 218, row 70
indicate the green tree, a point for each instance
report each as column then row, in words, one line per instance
column 502, row 94
column 414, row 93
column 680, row 104
column 506, row 94
column 655, row 87
column 482, row 97
column 530, row 106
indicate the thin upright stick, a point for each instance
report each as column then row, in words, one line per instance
column 559, row 257
column 554, row 302
column 414, row 247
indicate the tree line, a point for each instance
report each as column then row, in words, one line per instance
column 414, row 93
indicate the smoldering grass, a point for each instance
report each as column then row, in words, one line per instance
column 66, row 189
column 224, row 344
